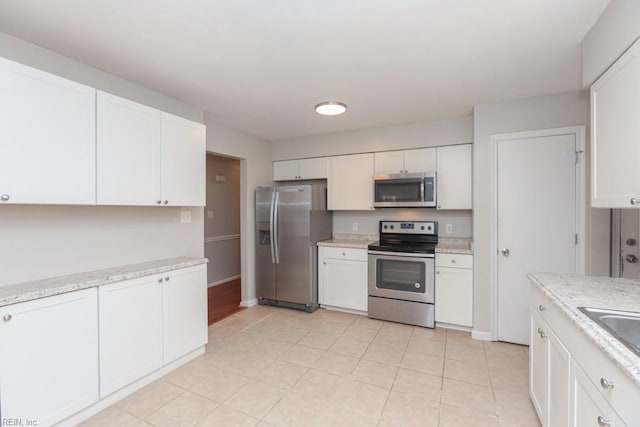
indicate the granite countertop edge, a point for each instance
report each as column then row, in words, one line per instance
column 610, row 346
column 346, row 243
column 455, row 245
column 36, row 289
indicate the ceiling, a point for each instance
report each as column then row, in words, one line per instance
column 261, row 66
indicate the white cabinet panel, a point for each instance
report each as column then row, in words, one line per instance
column 289, row 170
column 389, row 162
column 130, row 332
column 420, row 160
column 49, row 357
column 47, row 138
column 454, row 295
column 343, row 278
column 184, row 311
column 286, row 170
column 538, row 367
column 615, row 134
column 183, row 162
column 559, row 370
column 128, row 152
column 350, row 183
column 454, row 177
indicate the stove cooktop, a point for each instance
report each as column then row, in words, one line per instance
column 407, row 237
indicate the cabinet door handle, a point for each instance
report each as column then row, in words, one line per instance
column 438, row 272
column 165, row 202
column 603, row 422
column 453, row 260
column 344, row 254
column 7, row 317
column 159, row 202
column 541, row 307
column 541, row 332
column 166, row 279
column 5, row 197
column 606, row 384
column 160, row 280
column 634, row 201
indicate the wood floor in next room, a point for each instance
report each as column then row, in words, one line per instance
column 269, row 366
column 223, row 300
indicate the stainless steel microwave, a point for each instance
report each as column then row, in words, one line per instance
column 405, row 190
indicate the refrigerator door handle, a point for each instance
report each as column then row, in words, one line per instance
column 276, row 228
column 271, row 227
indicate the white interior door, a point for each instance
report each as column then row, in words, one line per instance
column 537, row 203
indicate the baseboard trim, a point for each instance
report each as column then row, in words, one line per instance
column 344, row 310
column 126, row 391
column 225, row 280
column 452, row 326
column 249, row 303
column 481, row 335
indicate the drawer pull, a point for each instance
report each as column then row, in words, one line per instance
column 606, row 384
column 344, row 254
column 603, row 422
column 453, row 260
column 541, row 307
column 541, row 332
column 160, row 280
column 7, row 317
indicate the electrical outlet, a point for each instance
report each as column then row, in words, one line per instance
column 185, row 217
column 354, row 226
column 448, row 229
column 209, row 214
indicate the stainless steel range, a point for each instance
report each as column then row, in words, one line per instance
column 402, row 272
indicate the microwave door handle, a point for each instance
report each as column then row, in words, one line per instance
column 422, row 201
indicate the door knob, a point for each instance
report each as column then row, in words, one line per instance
column 631, row 258
column 505, row 251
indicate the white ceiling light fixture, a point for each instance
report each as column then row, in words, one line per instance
column 331, row 108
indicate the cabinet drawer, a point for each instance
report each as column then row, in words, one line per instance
column 539, row 302
column 454, row 260
column 345, row 253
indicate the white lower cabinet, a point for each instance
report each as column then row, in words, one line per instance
column 49, row 357
column 569, row 376
column 454, row 289
column 342, row 278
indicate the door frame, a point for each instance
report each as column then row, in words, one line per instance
column 579, row 132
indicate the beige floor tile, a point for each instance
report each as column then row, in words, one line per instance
column 335, row 416
column 335, row 363
column 384, row 353
column 396, row 329
column 356, row 396
column 515, row 405
column 112, row 416
column 423, row 362
column 316, row 385
column 282, row 374
column 220, row 385
column 365, row 322
column 220, row 356
column 465, row 395
column 189, row 374
column 255, row 399
column 248, row 364
column 330, row 327
column 504, row 347
column 406, row 409
column 340, row 317
column 349, row 347
column 397, row 337
column 226, row 417
column 184, row 410
column 150, row 398
column 430, row 347
column 319, row 340
column 358, row 333
column 290, row 334
column 452, row 416
column 270, row 346
column 437, row 334
column 219, row 331
column 467, row 372
column 462, row 338
column 294, row 410
column 302, row 355
column 517, row 362
column 268, row 327
column 465, row 354
column 375, row 373
column 428, row 386
column 508, row 379
column 241, row 342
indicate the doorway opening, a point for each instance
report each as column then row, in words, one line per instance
column 222, row 237
column 625, row 243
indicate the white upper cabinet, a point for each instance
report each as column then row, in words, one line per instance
column 183, row 155
column 454, row 177
column 288, row 170
column 350, row 182
column 406, row 161
column 47, row 138
column 147, row 157
column 615, row 134
column 128, row 147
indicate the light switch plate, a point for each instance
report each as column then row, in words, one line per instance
column 210, row 214
column 185, row 217
column 354, row 226
column 448, row 229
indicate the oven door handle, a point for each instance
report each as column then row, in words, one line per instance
column 402, row 254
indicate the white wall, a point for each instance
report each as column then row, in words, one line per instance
column 255, row 164
column 44, row 241
column 616, row 29
column 567, row 109
column 415, row 135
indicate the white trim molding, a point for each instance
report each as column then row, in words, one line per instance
column 482, row 335
column 249, row 303
column 221, row 238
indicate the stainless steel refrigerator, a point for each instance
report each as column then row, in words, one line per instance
column 290, row 220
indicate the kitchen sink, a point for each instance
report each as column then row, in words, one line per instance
column 623, row 325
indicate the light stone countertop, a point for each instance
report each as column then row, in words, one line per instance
column 455, row 245
column 358, row 241
column 27, row 291
column 569, row 292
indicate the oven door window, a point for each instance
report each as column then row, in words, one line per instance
column 407, row 276
column 398, row 190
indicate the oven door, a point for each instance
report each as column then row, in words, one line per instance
column 408, row 277
column 406, row 190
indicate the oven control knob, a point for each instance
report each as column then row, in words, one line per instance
column 385, row 227
column 391, row 226
column 422, row 228
column 417, row 285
